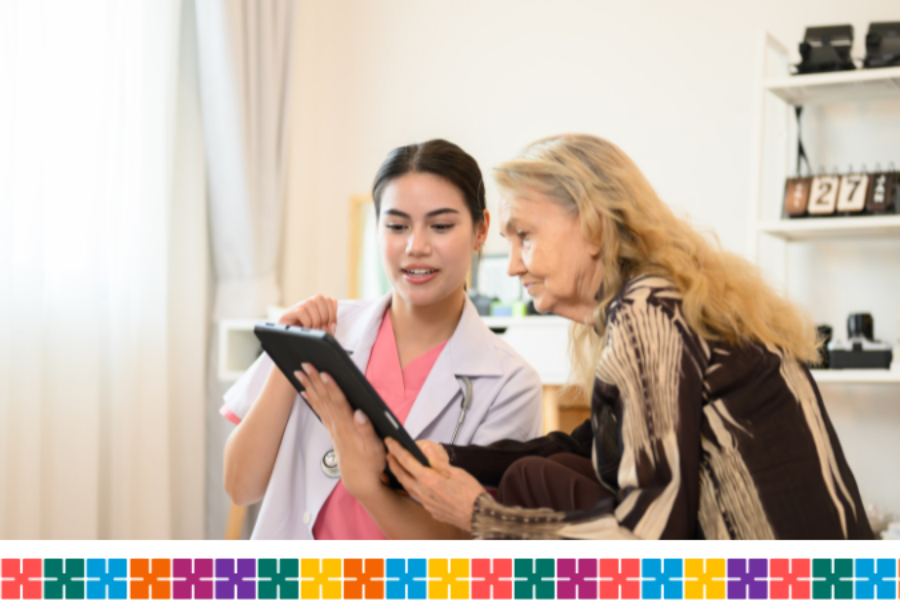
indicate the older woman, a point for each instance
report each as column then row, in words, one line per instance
column 705, row 421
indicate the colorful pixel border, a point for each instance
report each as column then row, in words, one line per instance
column 445, row 579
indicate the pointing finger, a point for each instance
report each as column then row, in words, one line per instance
column 408, row 482
column 332, row 315
column 435, row 453
column 407, row 460
column 315, row 312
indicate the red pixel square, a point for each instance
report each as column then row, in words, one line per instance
column 609, row 569
column 490, row 579
column 20, row 585
column 790, row 572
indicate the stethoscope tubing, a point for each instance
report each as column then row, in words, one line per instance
column 466, row 390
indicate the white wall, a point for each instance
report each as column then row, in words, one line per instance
column 670, row 82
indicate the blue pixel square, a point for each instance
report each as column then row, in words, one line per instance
column 409, row 579
column 868, row 579
column 107, row 577
column 666, row 578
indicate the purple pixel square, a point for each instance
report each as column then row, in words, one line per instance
column 578, row 578
column 236, row 581
column 747, row 585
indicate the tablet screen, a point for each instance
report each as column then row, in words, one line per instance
column 289, row 347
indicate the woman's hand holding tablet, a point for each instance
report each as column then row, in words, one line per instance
column 360, row 452
column 291, row 347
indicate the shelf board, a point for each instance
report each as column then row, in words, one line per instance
column 530, row 321
column 862, row 84
column 856, row 376
column 814, row 228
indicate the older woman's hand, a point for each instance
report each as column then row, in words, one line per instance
column 360, row 453
column 448, row 493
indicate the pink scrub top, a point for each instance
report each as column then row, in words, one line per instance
column 342, row 517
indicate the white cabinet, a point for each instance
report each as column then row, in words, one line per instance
column 238, row 348
column 544, row 342
column 541, row 341
column 863, row 99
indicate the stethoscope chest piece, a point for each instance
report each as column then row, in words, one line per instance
column 329, row 465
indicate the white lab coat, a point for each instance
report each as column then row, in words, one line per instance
column 506, row 404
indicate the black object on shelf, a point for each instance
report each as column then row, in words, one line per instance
column 826, row 49
column 882, row 45
column 482, row 303
column 860, row 358
column 861, row 350
column 860, row 325
column 531, row 311
column 883, row 196
column 895, row 193
column 824, row 332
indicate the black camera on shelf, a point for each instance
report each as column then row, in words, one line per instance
column 861, row 350
column 826, row 49
column 882, row 46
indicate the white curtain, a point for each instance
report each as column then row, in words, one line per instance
column 244, row 53
column 103, row 273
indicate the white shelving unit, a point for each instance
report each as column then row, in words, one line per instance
column 797, row 230
column 238, row 348
column 862, row 84
column 837, row 376
column 778, row 93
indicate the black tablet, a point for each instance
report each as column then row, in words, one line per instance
column 289, row 347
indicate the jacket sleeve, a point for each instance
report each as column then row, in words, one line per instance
column 649, row 363
column 488, row 463
column 241, row 396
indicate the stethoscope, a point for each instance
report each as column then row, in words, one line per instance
column 329, row 460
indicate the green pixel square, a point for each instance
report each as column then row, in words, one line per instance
column 834, row 580
column 64, row 586
column 269, row 567
column 535, row 585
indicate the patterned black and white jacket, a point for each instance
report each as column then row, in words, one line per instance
column 695, row 439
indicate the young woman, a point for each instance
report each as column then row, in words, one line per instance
column 705, row 421
column 423, row 347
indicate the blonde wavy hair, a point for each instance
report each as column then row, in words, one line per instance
column 724, row 297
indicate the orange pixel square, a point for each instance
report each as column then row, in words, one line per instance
column 151, row 579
